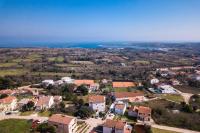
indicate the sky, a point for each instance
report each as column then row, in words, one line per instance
column 99, row 20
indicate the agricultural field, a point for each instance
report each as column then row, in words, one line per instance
column 16, row 125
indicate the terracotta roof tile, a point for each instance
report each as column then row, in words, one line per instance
column 123, row 84
column 127, row 94
column 7, row 100
column 80, row 82
column 44, row 100
column 145, row 110
column 120, row 106
column 96, row 98
column 59, row 118
column 118, row 124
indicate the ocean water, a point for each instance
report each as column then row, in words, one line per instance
column 119, row 45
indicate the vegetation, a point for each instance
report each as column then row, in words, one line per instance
column 16, row 125
column 156, row 130
column 45, row 128
column 173, row 97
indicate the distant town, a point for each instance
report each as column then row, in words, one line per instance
column 100, row 90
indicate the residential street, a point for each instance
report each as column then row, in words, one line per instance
column 181, row 130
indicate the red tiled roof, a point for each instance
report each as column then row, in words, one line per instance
column 7, row 91
column 120, row 106
column 123, row 84
column 127, row 94
column 7, row 100
column 80, row 82
column 144, row 110
column 59, row 118
column 43, row 100
column 96, row 98
column 118, row 124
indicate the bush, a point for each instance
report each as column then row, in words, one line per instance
column 45, row 128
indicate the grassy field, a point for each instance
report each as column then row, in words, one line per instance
column 172, row 97
column 188, row 89
column 44, row 113
column 56, row 59
column 49, row 74
column 12, row 72
column 26, row 113
column 14, row 126
column 7, row 64
column 156, row 130
column 121, row 89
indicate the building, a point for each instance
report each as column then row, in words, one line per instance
column 129, row 96
column 120, row 108
column 22, row 102
column 8, row 103
column 97, row 103
column 142, row 113
column 48, row 82
column 7, row 91
column 116, row 126
column 63, row 123
column 90, row 84
column 123, row 84
column 67, row 80
column 167, row 89
column 154, row 81
column 94, row 87
column 44, row 102
column 57, row 99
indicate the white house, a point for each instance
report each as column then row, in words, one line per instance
column 167, row 89
column 48, row 82
column 8, row 103
column 129, row 96
column 63, row 123
column 154, row 81
column 67, row 80
column 120, row 108
column 97, row 103
column 44, row 102
column 141, row 112
column 116, row 126
column 94, row 87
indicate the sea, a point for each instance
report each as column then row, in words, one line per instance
column 88, row 45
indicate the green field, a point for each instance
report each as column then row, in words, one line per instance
column 12, row 72
column 8, row 64
column 15, row 126
column 156, row 130
column 45, row 113
column 121, row 89
column 172, row 97
column 56, row 59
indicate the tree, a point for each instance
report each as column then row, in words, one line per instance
column 45, row 128
column 83, row 89
column 6, row 83
column 3, row 96
column 84, row 112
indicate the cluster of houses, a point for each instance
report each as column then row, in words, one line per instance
column 11, row 103
column 68, row 124
column 90, row 84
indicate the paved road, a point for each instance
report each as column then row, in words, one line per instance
column 181, row 130
column 2, row 117
column 93, row 123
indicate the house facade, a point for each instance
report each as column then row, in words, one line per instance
column 120, row 108
column 44, row 102
column 115, row 126
column 97, row 103
column 8, row 103
column 142, row 113
column 63, row 123
column 129, row 96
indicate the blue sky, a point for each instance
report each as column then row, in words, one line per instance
column 99, row 20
